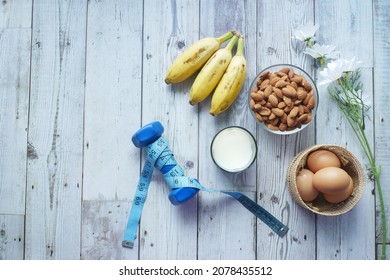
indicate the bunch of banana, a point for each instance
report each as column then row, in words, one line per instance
column 223, row 72
column 192, row 59
column 211, row 73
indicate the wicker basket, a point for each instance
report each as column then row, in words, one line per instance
column 320, row 206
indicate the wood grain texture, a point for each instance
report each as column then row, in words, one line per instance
column 15, row 13
column 54, row 177
column 348, row 26
column 11, row 237
column 217, row 18
column 336, row 237
column 227, row 230
column 113, row 99
column 274, row 46
column 103, row 224
column 169, row 232
column 14, row 98
column 112, row 114
column 381, row 108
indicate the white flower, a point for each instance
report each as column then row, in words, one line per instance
column 322, row 51
column 351, row 64
column 305, row 32
column 332, row 72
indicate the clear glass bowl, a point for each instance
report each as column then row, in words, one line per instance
column 265, row 124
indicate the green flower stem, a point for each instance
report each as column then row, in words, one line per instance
column 353, row 108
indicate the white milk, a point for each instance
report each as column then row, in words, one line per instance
column 233, row 149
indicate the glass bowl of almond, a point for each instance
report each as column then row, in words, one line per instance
column 283, row 99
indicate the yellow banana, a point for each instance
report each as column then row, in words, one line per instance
column 211, row 73
column 194, row 58
column 231, row 83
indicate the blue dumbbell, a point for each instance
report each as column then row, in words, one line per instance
column 146, row 136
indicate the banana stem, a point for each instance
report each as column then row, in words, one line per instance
column 240, row 46
column 232, row 43
column 225, row 37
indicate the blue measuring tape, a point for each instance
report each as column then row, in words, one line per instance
column 160, row 156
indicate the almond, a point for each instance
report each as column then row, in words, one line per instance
column 306, row 85
column 284, row 118
column 285, row 78
column 308, row 119
column 302, row 118
column 273, row 81
column 278, row 92
column 297, row 102
column 265, row 111
column 281, row 74
column 257, row 96
column 275, row 121
column 272, row 127
column 297, row 79
column 287, row 109
column 264, row 84
column 257, row 107
column 291, row 73
column 287, row 100
column 285, row 70
column 281, row 105
column 294, row 112
column 294, row 85
column 290, row 121
column 273, row 100
column 282, row 127
column 301, row 110
column 277, row 112
column 306, row 100
column 311, row 104
column 264, row 75
column 301, row 93
column 281, row 84
column 289, row 91
column 252, row 103
column 272, row 116
column 258, row 117
column 268, row 91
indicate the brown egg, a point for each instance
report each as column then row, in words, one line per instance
column 338, row 197
column 322, row 158
column 305, row 185
column 331, row 180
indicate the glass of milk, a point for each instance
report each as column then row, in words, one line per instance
column 233, row 149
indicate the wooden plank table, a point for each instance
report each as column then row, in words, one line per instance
column 78, row 78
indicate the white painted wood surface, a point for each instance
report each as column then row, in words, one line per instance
column 174, row 23
column 68, row 169
column 54, row 174
column 14, row 80
column 110, row 172
column 15, row 13
column 11, row 237
column 275, row 151
column 336, row 238
column 381, row 108
column 243, row 19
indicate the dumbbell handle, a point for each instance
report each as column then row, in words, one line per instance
column 148, row 135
